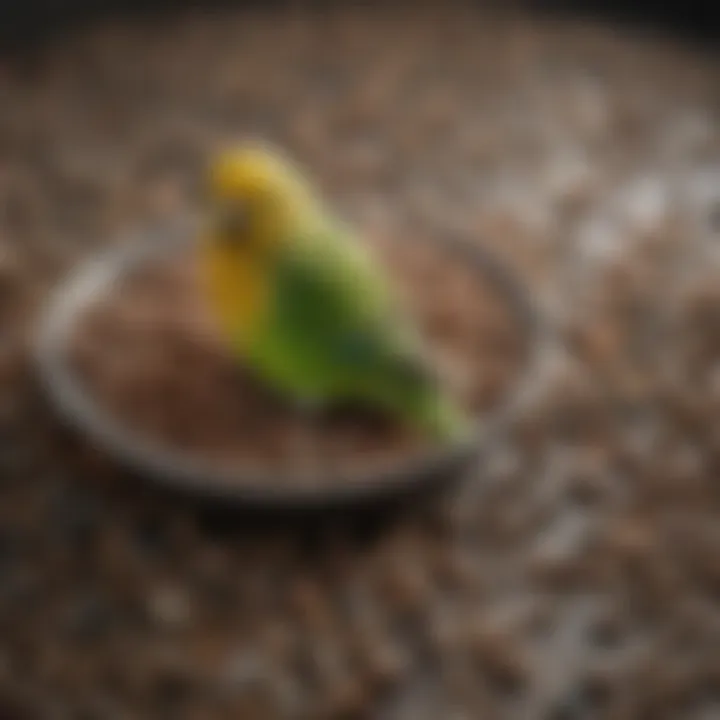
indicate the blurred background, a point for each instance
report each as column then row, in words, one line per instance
column 575, row 575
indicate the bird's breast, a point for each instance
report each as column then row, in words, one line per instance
column 237, row 289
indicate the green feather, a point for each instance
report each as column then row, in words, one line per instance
column 333, row 333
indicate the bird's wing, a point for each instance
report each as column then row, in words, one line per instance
column 337, row 301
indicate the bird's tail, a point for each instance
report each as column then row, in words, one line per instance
column 440, row 416
column 413, row 391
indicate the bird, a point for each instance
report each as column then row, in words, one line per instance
column 304, row 305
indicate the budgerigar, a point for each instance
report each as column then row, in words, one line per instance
column 305, row 305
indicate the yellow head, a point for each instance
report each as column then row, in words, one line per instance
column 256, row 194
column 257, row 198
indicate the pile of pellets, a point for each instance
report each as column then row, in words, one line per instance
column 151, row 355
column 575, row 573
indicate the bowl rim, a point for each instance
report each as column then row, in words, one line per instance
column 93, row 278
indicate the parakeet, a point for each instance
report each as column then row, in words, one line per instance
column 303, row 303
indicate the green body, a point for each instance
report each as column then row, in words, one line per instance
column 331, row 331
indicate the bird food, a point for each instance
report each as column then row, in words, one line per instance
column 576, row 572
column 152, row 355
